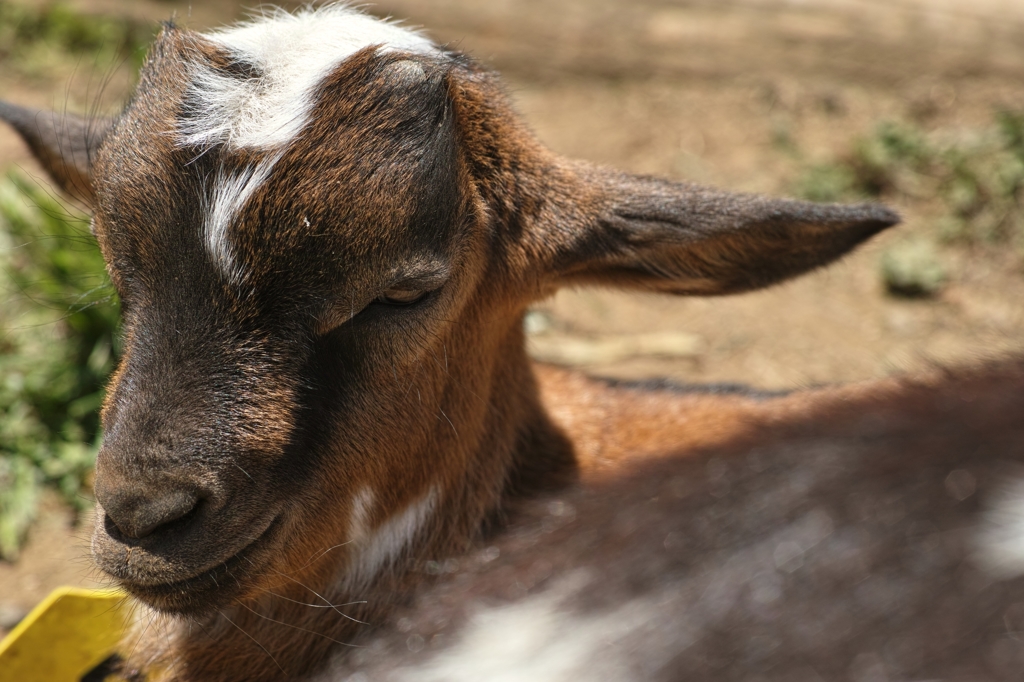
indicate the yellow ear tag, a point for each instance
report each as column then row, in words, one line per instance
column 65, row 636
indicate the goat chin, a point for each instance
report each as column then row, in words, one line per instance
column 327, row 452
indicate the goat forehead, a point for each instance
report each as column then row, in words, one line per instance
column 372, row 167
column 274, row 224
column 289, row 55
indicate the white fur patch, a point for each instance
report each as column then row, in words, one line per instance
column 362, row 505
column 541, row 639
column 1000, row 539
column 292, row 54
column 376, row 549
column 230, row 194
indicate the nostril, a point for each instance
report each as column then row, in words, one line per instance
column 137, row 516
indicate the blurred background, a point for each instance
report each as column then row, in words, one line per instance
column 917, row 103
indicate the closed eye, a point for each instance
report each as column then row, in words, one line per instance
column 402, row 297
column 402, row 294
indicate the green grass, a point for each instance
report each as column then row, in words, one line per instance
column 58, row 344
column 47, row 41
column 971, row 181
column 977, row 177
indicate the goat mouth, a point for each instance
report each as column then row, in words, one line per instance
column 215, row 586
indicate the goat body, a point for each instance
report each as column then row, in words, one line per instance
column 325, row 231
column 866, row 532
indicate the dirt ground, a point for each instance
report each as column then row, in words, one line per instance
column 736, row 93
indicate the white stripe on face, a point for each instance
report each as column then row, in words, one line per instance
column 290, row 54
column 230, row 194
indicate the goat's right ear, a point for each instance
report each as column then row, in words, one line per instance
column 645, row 233
column 64, row 144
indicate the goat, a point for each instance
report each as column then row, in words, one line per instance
column 325, row 230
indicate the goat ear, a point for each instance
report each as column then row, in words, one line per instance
column 64, row 144
column 681, row 238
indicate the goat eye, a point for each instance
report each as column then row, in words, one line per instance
column 402, row 297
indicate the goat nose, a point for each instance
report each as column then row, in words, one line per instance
column 137, row 514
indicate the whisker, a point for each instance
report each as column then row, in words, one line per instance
column 456, row 431
column 300, row 629
column 321, row 554
column 152, row 617
column 314, row 606
column 225, row 617
column 323, row 598
column 243, row 471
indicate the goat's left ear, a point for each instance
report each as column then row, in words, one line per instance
column 656, row 235
column 64, row 144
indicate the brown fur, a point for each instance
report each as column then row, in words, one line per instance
column 892, row 478
column 247, row 416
